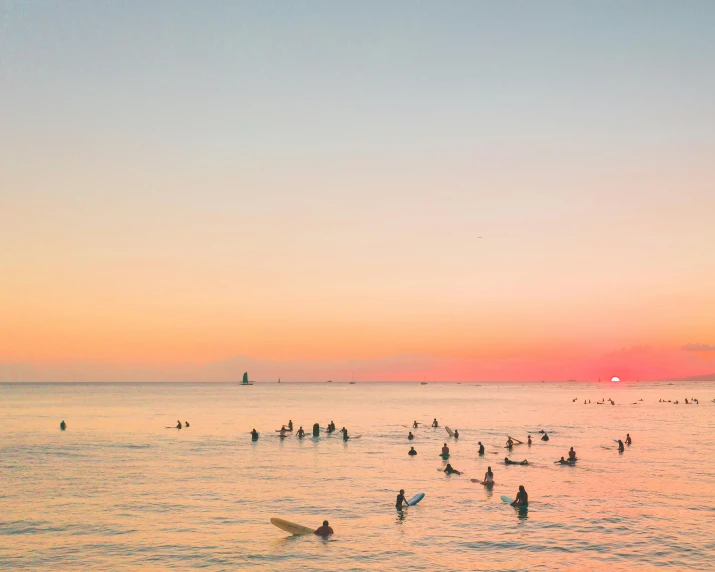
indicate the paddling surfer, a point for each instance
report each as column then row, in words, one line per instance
column 508, row 462
column 324, row 530
column 451, row 471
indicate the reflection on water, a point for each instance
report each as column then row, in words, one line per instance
column 116, row 490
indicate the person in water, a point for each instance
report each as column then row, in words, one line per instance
column 412, row 451
column 254, row 435
column 481, row 448
column 456, row 434
column 186, row 424
column 410, row 436
column 301, row 433
column 621, row 448
column 434, row 423
column 545, row 437
column 283, row 433
column 488, row 477
column 445, row 449
column 522, row 498
column 345, row 434
column 178, row 424
column 508, row 462
column 562, row 461
column 324, row 530
column 528, row 441
column 572, row 454
column 628, row 439
column 450, row 471
column 63, row 425
column 401, row 500
column 290, row 425
column 414, row 424
column 509, row 443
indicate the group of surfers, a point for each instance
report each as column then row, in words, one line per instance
column 300, row 433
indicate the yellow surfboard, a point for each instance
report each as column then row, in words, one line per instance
column 292, row 527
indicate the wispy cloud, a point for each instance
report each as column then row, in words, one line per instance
column 698, row 348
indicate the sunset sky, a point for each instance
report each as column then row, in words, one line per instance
column 390, row 191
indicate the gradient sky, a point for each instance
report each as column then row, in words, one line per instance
column 485, row 190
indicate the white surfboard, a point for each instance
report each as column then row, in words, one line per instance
column 451, row 433
column 292, row 527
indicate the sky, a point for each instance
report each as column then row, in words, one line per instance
column 369, row 190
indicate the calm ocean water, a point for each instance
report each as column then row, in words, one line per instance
column 118, row 491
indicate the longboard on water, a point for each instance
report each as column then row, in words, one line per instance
column 292, row 527
column 485, row 483
column 507, row 500
column 449, row 431
column 415, row 499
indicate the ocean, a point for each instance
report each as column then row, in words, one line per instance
column 119, row 491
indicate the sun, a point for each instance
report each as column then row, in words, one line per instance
column 614, row 378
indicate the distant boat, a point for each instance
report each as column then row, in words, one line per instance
column 352, row 383
column 423, row 383
column 329, row 381
column 245, row 379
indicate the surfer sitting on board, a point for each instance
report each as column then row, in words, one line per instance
column 300, row 433
column 508, row 462
column 522, row 498
column 545, row 437
column 435, row 424
column 324, row 530
column 410, row 436
column 186, row 423
column 445, row 449
column 488, row 477
column 400, row 500
column 450, row 471
column 481, row 448
column 572, row 455
column 178, row 424
column 628, row 438
column 412, row 451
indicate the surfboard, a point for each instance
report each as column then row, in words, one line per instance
column 415, row 499
column 450, row 432
column 507, row 500
column 291, row 527
column 445, row 456
column 486, row 484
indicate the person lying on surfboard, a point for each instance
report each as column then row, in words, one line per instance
column 450, row 471
column 481, row 448
column 508, row 462
column 445, row 449
column 401, row 501
column 522, row 498
column 324, row 530
column 435, row 424
column 412, row 451
column 563, row 461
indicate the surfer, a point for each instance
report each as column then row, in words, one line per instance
column 450, row 471
column 290, row 425
column 400, row 500
column 345, row 434
column 481, row 448
column 488, row 477
column 63, row 425
column 508, row 462
column 561, row 461
column 324, row 530
column 412, row 452
column 300, row 433
column 410, row 436
column 621, row 448
column 445, row 449
column 628, row 439
column 434, row 423
column 545, row 437
column 178, row 424
column 572, row 455
column 254, row 434
column 456, row 434
column 414, row 424
column 528, row 441
column 186, row 423
column 522, row 498
column 283, row 433
column 509, row 443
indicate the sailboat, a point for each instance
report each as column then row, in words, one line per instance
column 245, row 379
